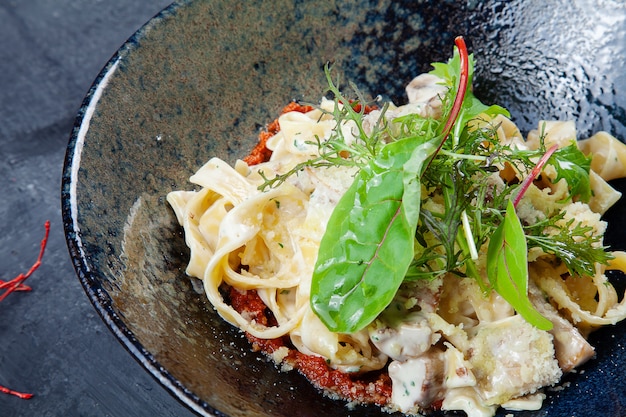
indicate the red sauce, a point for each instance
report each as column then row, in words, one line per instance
column 260, row 153
column 374, row 387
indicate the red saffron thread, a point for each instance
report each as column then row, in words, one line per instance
column 17, row 284
column 22, row 395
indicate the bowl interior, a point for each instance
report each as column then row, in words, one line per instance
column 201, row 80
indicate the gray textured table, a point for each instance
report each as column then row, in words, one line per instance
column 52, row 342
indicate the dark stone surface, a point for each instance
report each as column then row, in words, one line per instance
column 52, row 342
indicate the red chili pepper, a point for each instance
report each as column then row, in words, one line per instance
column 17, row 284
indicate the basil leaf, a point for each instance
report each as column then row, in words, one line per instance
column 412, row 171
column 570, row 163
column 507, row 267
column 369, row 240
column 473, row 108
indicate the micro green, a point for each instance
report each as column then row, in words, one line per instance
column 382, row 233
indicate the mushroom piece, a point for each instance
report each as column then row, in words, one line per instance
column 425, row 92
column 570, row 347
column 417, row 382
column 409, row 338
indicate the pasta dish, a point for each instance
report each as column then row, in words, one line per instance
column 424, row 256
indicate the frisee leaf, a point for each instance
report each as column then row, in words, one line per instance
column 335, row 151
column 571, row 242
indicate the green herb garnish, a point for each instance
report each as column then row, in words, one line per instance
column 381, row 233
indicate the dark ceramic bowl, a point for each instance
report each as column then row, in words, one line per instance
column 203, row 77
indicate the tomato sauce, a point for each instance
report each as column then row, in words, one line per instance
column 260, row 153
column 374, row 387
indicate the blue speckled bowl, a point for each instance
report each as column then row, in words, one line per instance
column 201, row 79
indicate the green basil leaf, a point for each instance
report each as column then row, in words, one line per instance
column 473, row 107
column 570, row 163
column 412, row 171
column 369, row 240
column 507, row 267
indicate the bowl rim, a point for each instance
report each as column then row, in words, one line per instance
column 69, row 209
